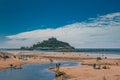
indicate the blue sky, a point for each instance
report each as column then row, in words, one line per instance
column 19, row 16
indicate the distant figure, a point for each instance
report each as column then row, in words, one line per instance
column 105, row 57
column 116, row 63
column 5, row 57
column 57, row 66
column 14, row 56
column 51, row 60
column 104, row 67
column 11, row 65
column 99, row 58
column 94, row 66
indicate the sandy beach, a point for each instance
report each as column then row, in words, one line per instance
column 86, row 71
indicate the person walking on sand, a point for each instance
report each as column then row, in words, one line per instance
column 57, row 66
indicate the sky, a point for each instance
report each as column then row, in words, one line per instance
column 82, row 23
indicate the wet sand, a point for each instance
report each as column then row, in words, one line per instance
column 83, row 72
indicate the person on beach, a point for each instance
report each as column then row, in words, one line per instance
column 11, row 65
column 94, row 66
column 57, row 66
column 51, row 61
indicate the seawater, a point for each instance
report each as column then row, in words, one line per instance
column 33, row 72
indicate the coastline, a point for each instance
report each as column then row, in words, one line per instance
column 86, row 71
column 37, row 58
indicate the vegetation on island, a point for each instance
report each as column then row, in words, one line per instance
column 50, row 44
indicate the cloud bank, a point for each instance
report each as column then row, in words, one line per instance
column 100, row 32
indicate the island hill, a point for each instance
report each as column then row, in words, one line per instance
column 51, row 44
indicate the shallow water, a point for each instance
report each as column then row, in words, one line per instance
column 33, row 72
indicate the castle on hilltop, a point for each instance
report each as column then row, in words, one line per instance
column 51, row 44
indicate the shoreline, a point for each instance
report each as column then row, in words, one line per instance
column 91, row 54
column 72, row 72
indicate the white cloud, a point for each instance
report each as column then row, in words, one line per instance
column 103, row 31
